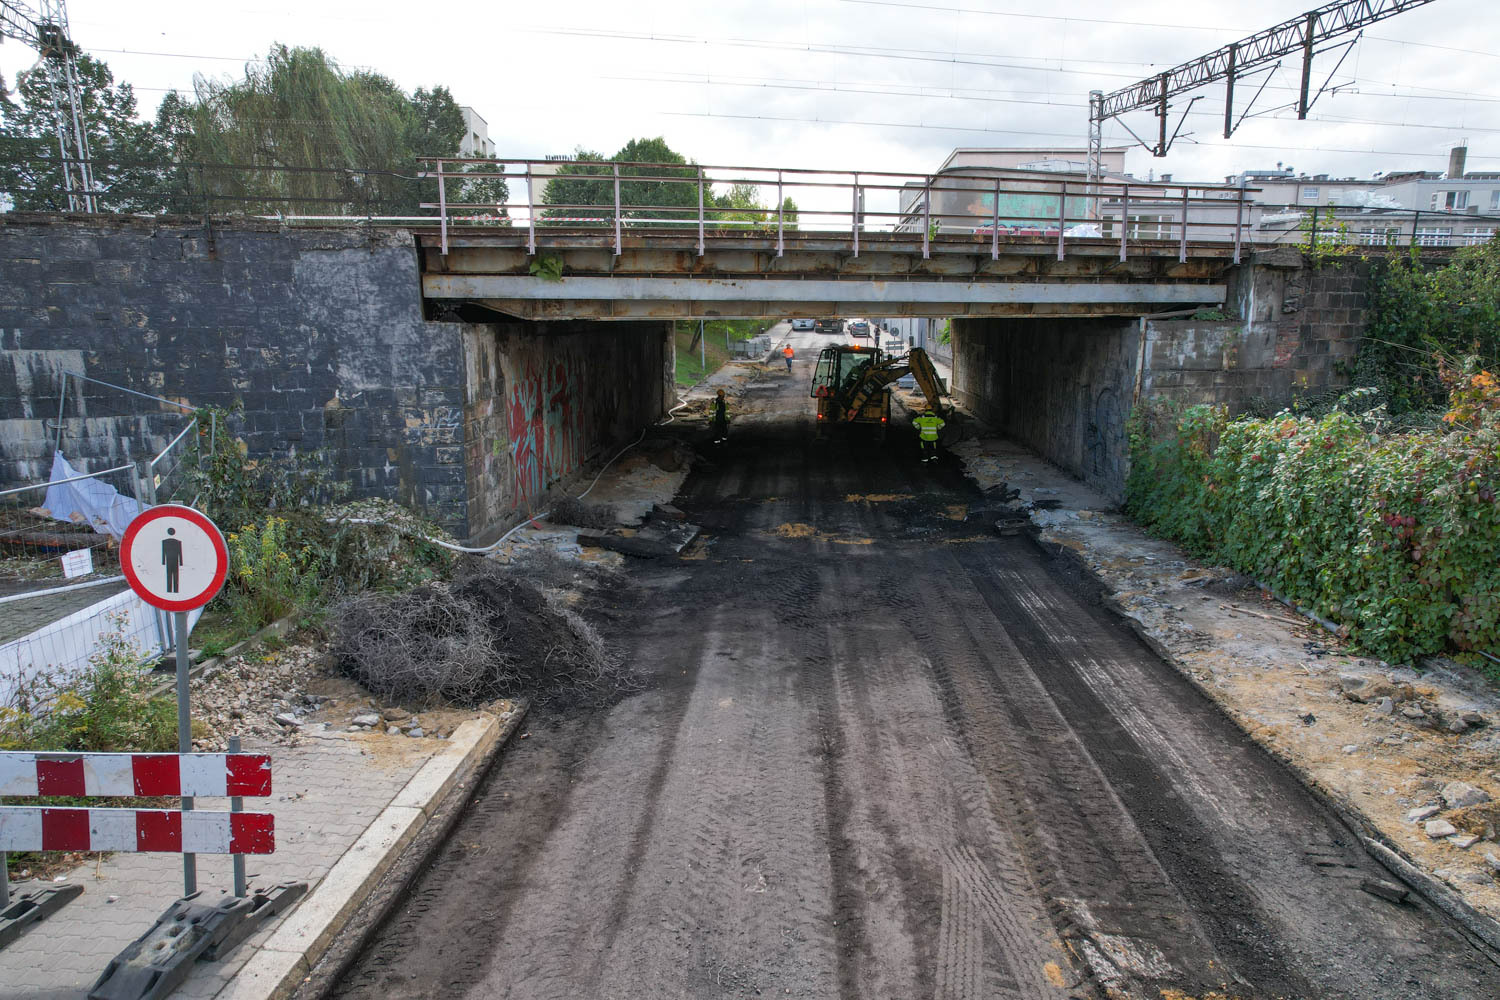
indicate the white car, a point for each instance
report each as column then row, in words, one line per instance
column 802, row 324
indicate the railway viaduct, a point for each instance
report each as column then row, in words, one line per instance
column 444, row 368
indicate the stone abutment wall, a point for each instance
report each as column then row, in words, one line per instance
column 1065, row 388
column 318, row 341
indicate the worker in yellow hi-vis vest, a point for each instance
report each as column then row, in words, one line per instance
column 928, row 425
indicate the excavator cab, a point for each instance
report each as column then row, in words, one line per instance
column 852, row 385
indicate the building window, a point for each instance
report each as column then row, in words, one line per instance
column 1475, row 235
column 1378, row 237
column 1433, row 237
column 1449, row 201
column 1495, row 200
column 1309, row 194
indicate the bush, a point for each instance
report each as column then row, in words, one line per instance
column 1395, row 535
column 266, row 581
column 1419, row 314
column 109, row 709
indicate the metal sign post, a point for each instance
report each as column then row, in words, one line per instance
column 176, row 560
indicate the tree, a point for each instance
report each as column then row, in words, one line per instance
column 127, row 154
column 1424, row 317
column 299, row 135
column 659, row 191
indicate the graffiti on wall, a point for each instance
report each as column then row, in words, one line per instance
column 545, row 424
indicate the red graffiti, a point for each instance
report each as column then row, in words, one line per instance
column 545, row 427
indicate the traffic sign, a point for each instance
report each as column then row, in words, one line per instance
column 174, row 557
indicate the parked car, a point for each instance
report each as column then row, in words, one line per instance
column 803, row 324
column 859, row 328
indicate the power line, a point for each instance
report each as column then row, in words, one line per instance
column 856, row 87
column 1135, row 24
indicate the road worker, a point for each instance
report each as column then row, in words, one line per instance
column 928, row 425
column 720, row 420
column 788, row 353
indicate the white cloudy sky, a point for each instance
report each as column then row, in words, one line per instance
column 877, row 84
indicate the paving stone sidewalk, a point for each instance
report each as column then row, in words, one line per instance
column 327, row 790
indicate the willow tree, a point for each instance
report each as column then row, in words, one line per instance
column 301, row 136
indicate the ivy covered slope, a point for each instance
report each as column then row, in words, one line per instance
column 1396, row 535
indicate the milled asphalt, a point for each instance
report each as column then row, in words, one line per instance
column 887, row 752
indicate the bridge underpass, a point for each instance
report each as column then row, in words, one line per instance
column 1054, row 340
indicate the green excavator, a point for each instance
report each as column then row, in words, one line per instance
column 852, row 385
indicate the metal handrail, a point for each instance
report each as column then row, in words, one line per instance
column 59, row 482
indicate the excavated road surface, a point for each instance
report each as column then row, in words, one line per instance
column 889, row 753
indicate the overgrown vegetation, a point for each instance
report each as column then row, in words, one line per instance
column 1393, row 533
column 109, row 708
column 1422, row 317
column 293, row 546
column 695, row 362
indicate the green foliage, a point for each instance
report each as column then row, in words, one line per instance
column 1396, row 535
column 1421, row 314
column 1325, row 237
column 267, row 579
column 578, row 186
column 547, row 267
column 108, row 709
column 296, row 135
column 130, row 154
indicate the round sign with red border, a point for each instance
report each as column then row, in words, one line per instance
column 174, row 557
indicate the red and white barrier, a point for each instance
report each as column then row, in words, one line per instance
column 42, row 828
column 209, row 775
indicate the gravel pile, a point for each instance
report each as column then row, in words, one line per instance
column 245, row 696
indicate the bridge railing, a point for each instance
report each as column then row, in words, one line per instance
column 990, row 207
column 979, row 205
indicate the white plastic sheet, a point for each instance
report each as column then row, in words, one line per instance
column 88, row 501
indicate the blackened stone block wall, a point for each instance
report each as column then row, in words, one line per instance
column 1065, row 387
column 547, row 399
column 316, row 337
column 1062, row 387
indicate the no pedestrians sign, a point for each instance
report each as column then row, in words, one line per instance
column 174, row 557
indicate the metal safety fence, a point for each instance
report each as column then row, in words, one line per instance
column 63, row 596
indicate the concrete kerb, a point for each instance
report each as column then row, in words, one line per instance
column 393, row 887
column 288, row 956
column 1482, row 929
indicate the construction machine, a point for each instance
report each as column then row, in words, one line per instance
column 852, row 384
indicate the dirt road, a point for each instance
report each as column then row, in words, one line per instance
column 887, row 753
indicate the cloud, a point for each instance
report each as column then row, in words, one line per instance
column 852, row 83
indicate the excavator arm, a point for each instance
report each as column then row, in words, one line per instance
column 878, row 377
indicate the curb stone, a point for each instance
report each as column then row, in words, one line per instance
column 381, row 903
column 288, row 956
column 1476, row 925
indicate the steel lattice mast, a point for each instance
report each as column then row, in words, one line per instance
column 47, row 31
column 1300, row 35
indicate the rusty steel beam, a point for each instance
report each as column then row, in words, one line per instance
column 596, row 309
column 867, row 293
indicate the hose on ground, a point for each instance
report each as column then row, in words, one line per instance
column 485, row 549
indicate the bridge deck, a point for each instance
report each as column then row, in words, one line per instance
column 670, row 274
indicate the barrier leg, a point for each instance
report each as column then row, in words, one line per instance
column 185, row 739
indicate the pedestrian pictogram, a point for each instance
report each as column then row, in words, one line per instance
column 174, row 557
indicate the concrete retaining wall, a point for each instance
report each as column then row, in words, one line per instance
column 318, row 340
column 1066, row 387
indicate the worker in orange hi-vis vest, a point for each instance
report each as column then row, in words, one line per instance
column 788, row 353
